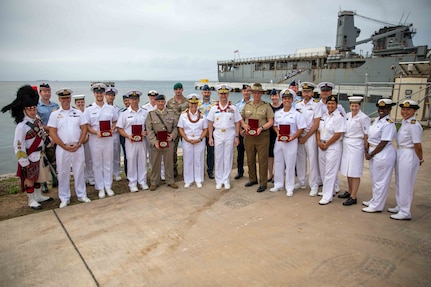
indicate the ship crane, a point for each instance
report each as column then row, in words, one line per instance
column 389, row 39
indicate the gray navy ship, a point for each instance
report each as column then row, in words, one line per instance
column 393, row 52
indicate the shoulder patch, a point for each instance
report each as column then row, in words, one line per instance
column 413, row 122
column 390, row 121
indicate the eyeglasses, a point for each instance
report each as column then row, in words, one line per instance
column 32, row 108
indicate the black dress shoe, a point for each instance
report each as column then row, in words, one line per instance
column 271, row 179
column 47, row 200
column 349, row 201
column 238, row 176
column 345, row 195
column 261, row 189
column 250, row 183
column 211, row 175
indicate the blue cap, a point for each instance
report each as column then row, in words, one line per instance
column 160, row 97
column 206, row 88
column 273, row 92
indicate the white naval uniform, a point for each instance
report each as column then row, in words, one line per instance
column 224, row 137
column 88, row 170
column 193, row 154
column 383, row 163
column 352, row 161
column 329, row 159
column 341, row 109
column 68, row 124
column 136, row 152
column 312, row 110
column 102, row 149
column 407, row 164
column 285, row 153
column 117, row 148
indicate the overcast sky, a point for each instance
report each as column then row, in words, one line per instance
column 175, row 39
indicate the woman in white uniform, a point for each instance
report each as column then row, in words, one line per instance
column 409, row 158
column 329, row 135
column 193, row 127
column 352, row 161
column 286, row 147
column 381, row 154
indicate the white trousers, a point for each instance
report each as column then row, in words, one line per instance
column 406, row 170
column 88, row 170
column 136, row 153
column 329, row 164
column 223, row 155
column 102, row 150
column 117, row 148
column 284, row 164
column 194, row 163
column 309, row 149
column 381, row 168
column 65, row 160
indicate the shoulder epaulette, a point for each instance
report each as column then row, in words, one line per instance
column 88, row 105
column 299, row 110
column 298, row 101
column 55, row 109
column 316, row 100
column 185, row 111
column 413, row 121
column 390, row 121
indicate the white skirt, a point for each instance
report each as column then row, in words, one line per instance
column 352, row 160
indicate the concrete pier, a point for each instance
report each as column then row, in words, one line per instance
column 206, row 237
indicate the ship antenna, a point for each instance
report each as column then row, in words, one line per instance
column 401, row 20
column 405, row 21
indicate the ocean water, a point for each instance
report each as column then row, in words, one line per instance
column 8, row 162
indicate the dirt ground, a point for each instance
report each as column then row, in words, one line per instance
column 15, row 204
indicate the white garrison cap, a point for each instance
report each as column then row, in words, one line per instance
column 98, row 87
column 385, row 102
column 355, row 99
column 111, row 90
column 288, row 93
column 78, row 97
column 64, row 92
column 193, row 98
column 223, row 88
column 326, row 85
column 134, row 94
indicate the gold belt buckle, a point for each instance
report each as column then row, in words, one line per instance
column 223, row 130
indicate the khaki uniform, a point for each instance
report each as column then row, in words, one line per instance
column 178, row 108
column 257, row 144
column 153, row 125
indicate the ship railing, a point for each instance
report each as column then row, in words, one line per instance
column 297, row 56
column 393, row 90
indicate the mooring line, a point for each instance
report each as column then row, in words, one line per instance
column 76, row 248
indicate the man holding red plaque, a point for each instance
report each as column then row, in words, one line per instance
column 289, row 124
column 259, row 118
column 131, row 125
column 161, row 126
column 101, row 119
